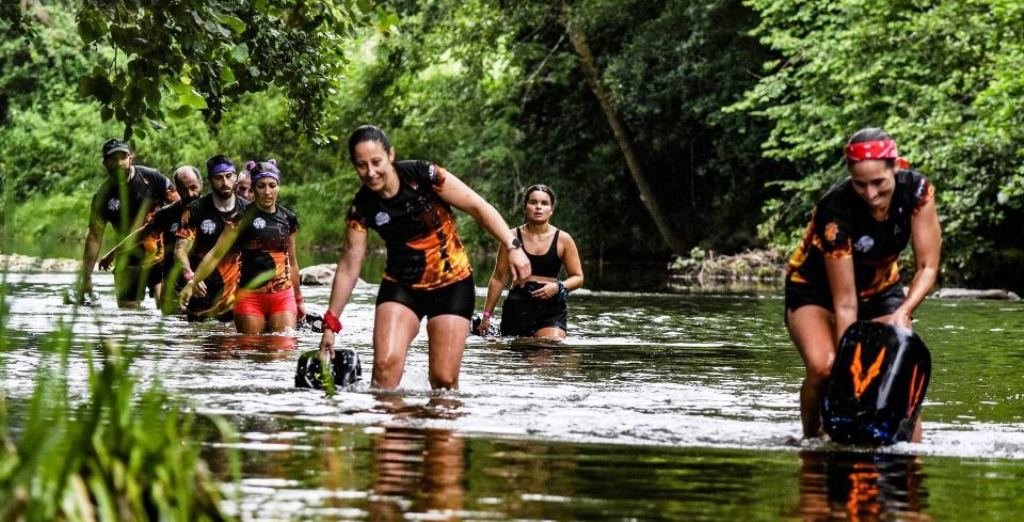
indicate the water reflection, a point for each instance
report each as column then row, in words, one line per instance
column 259, row 348
column 861, row 486
column 416, row 470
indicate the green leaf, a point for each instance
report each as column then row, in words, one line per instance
column 236, row 24
column 192, row 99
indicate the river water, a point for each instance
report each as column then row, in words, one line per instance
column 658, row 406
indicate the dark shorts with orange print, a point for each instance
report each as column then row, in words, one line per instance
column 455, row 299
column 882, row 303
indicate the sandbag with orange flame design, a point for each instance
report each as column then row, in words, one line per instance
column 877, row 385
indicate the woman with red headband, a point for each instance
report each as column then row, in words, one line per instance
column 845, row 268
column 269, row 297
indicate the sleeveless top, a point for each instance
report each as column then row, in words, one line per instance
column 547, row 264
column 424, row 251
column 842, row 226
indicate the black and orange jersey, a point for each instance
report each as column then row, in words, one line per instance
column 165, row 222
column 203, row 223
column 423, row 247
column 144, row 194
column 842, row 226
column 263, row 245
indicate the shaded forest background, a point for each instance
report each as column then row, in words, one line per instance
column 665, row 128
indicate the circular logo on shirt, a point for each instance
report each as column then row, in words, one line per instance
column 382, row 218
column 208, row 226
column 259, row 223
column 864, row 243
column 114, row 204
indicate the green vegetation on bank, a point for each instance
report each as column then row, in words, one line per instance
column 732, row 113
column 118, row 452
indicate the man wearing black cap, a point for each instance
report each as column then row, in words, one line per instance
column 127, row 200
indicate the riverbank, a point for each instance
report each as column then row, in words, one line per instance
column 20, row 263
column 708, row 268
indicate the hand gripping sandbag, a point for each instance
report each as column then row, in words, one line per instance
column 345, row 369
column 878, row 382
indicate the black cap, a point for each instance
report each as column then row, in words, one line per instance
column 115, row 145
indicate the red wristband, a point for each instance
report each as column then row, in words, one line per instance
column 188, row 275
column 331, row 321
column 486, row 314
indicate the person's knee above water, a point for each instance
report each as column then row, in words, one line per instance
column 128, row 200
column 427, row 273
column 845, row 267
column 269, row 296
column 537, row 308
column 202, row 224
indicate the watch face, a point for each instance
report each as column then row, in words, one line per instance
column 516, row 243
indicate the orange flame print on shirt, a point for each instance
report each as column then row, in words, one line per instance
column 861, row 380
column 831, row 231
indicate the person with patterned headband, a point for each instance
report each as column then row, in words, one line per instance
column 269, row 297
column 845, row 268
column 409, row 203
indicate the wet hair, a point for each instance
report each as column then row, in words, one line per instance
column 543, row 188
column 870, row 134
column 218, row 161
column 367, row 133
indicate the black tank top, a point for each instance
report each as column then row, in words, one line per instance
column 547, row 264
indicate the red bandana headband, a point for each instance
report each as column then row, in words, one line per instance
column 877, row 149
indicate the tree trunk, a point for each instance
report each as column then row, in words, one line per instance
column 647, row 194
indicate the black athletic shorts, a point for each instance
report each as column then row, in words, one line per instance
column 883, row 303
column 455, row 299
column 522, row 314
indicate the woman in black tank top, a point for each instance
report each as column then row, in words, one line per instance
column 536, row 309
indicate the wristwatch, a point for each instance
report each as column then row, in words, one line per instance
column 516, row 243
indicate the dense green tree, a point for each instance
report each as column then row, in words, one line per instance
column 942, row 77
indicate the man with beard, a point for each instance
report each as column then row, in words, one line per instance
column 201, row 225
column 128, row 199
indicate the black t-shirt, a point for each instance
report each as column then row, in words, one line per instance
column 203, row 223
column 423, row 247
column 145, row 192
column 263, row 242
column 842, row 226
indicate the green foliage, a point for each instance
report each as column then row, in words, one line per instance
column 196, row 55
column 943, row 78
column 118, row 454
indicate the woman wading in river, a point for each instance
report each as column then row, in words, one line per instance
column 846, row 268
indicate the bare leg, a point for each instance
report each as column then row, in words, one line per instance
column 810, row 327
column 281, row 322
column 550, row 332
column 447, row 334
column 394, row 327
column 249, row 324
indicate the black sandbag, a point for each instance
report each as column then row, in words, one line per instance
column 346, row 369
column 878, row 382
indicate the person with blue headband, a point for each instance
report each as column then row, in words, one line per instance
column 202, row 224
column 269, row 297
